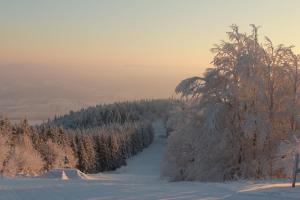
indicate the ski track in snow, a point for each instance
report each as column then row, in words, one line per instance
column 140, row 179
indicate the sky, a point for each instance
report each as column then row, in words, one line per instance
column 143, row 43
column 154, row 33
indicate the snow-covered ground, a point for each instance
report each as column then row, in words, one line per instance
column 140, row 180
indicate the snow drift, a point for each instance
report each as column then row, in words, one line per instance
column 66, row 174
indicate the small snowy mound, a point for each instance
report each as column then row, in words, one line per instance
column 66, row 174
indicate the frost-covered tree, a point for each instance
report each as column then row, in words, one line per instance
column 87, row 154
column 57, row 156
column 102, row 152
column 24, row 159
column 4, row 151
column 239, row 112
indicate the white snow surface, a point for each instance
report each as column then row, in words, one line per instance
column 140, row 179
column 66, row 174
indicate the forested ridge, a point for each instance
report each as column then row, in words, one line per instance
column 119, row 112
column 93, row 140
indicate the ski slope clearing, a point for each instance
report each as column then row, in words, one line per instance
column 138, row 180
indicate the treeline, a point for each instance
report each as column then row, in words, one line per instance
column 30, row 150
column 120, row 112
column 93, row 140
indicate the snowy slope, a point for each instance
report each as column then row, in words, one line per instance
column 148, row 162
column 140, row 180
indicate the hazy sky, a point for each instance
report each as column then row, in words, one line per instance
column 136, row 41
column 154, row 33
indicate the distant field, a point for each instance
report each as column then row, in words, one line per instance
column 37, row 111
column 37, row 93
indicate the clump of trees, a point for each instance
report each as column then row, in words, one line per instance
column 95, row 149
column 93, row 140
column 241, row 116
